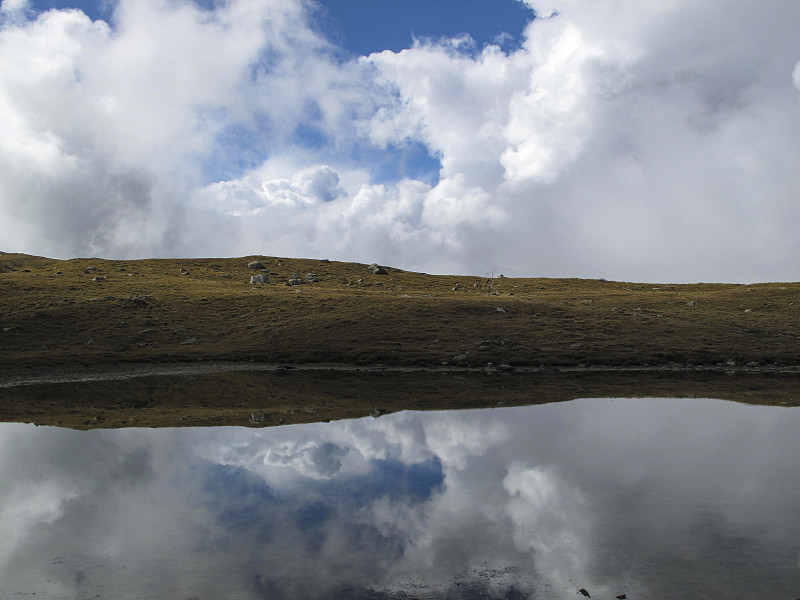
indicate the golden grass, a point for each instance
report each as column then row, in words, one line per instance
column 54, row 313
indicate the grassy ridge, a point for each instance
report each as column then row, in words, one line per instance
column 93, row 311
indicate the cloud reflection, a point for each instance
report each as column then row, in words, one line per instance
column 651, row 498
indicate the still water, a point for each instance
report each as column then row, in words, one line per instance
column 650, row 498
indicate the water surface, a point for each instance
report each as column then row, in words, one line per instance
column 651, row 498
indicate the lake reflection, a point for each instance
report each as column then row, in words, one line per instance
column 647, row 498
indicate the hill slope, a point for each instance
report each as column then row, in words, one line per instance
column 94, row 311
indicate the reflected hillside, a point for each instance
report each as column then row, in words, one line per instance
column 279, row 396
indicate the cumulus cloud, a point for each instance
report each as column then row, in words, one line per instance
column 620, row 139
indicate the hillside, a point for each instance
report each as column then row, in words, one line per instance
column 91, row 311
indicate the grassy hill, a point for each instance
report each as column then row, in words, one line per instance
column 94, row 311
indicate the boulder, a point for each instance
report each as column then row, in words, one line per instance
column 294, row 281
column 259, row 279
column 312, row 278
column 255, row 265
column 262, row 417
column 376, row 269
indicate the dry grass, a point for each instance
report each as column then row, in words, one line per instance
column 54, row 313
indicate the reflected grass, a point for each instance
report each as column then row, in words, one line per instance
column 270, row 398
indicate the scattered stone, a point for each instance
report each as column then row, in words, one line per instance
column 59, row 272
column 505, row 367
column 377, row 413
column 259, row 417
column 461, row 357
column 692, row 303
column 376, row 269
column 312, row 278
column 88, row 270
column 501, row 276
column 603, row 280
column 98, row 278
column 148, row 331
column 294, row 281
column 264, row 278
column 139, row 301
column 752, row 364
column 9, row 329
column 502, row 342
column 184, row 272
column 501, row 310
column 189, row 341
column 747, row 310
column 730, row 363
column 256, row 265
column 122, row 269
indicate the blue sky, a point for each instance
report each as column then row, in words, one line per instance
column 366, row 26
column 614, row 138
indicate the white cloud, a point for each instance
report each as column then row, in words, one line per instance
column 312, row 459
column 14, row 10
column 623, row 139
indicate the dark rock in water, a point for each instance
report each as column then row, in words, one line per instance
column 255, row 265
column 584, row 592
column 259, row 279
column 376, row 269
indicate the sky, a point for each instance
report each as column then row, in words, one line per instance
column 652, row 498
column 635, row 141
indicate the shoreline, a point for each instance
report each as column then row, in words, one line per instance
column 33, row 376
